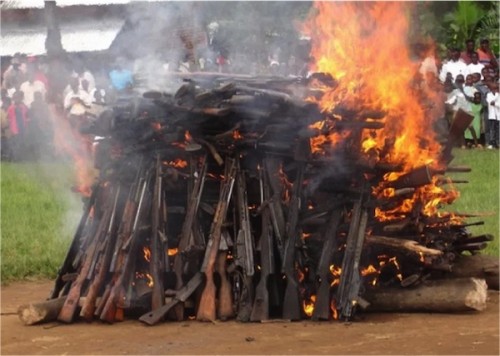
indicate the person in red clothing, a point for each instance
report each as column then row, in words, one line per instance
column 17, row 114
column 486, row 55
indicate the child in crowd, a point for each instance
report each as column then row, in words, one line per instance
column 472, row 133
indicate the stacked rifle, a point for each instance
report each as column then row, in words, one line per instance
column 210, row 203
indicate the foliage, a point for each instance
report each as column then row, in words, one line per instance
column 450, row 24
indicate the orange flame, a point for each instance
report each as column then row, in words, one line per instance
column 177, row 163
column 172, row 251
column 147, row 253
column 346, row 43
column 308, row 305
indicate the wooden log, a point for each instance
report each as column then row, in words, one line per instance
column 478, row 266
column 42, row 312
column 443, row 296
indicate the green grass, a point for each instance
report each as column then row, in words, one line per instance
column 38, row 215
column 481, row 194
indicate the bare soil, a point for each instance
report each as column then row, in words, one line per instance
column 382, row 334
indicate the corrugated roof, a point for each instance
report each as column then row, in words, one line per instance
column 38, row 4
column 86, row 36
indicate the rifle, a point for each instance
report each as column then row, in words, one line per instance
column 126, row 256
column 181, row 296
column 187, row 230
column 67, row 265
column 291, row 303
column 157, row 262
column 244, row 249
column 347, row 296
column 206, row 308
column 71, row 303
column 322, row 305
column 260, row 309
column 275, row 206
column 88, row 307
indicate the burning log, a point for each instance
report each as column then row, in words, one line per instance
column 445, row 296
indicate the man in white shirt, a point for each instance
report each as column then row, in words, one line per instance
column 76, row 102
column 454, row 66
column 475, row 66
column 29, row 88
column 82, row 75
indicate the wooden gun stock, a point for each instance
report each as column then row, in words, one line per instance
column 206, row 307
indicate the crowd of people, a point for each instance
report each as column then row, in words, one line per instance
column 468, row 79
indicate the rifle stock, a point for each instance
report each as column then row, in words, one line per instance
column 206, row 307
column 225, row 305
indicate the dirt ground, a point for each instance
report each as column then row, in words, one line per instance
column 382, row 334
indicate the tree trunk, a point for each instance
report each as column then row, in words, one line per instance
column 478, row 266
column 34, row 313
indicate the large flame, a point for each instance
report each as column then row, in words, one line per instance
column 364, row 47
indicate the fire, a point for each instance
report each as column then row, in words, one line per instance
column 308, row 305
column 147, row 253
column 187, row 137
column 147, row 276
column 177, row 163
column 237, row 135
column 68, row 141
column 336, row 272
column 347, row 41
column 172, row 251
column 333, row 308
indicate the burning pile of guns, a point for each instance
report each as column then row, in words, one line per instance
column 211, row 204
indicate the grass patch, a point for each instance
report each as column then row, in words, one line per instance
column 36, row 223
column 481, row 194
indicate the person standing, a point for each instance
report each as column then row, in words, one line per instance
column 455, row 66
column 474, row 66
column 466, row 55
column 485, row 54
column 17, row 114
column 31, row 86
column 493, row 99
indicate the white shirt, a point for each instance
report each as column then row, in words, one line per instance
column 493, row 110
column 455, row 68
column 475, row 68
column 29, row 90
column 457, row 99
column 77, row 109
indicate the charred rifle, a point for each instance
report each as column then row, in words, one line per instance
column 322, row 305
column 187, row 231
column 260, row 309
column 126, row 254
column 157, row 264
column 244, row 248
column 348, row 292
column 271, row 167
column 291, row 303
column 67, row 265
column 71, row 303
column 102, row 268
column 206, row 307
